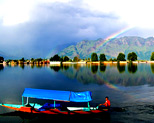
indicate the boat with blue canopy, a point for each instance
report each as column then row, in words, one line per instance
column 55, row 95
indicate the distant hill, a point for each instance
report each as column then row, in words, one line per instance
column 143, row 47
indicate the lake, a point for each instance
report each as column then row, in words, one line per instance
column 128, row 86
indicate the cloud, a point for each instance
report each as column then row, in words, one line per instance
column 136, row 13
column 31, row 28
column 15, row 12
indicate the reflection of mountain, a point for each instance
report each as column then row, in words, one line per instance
column 114, row 74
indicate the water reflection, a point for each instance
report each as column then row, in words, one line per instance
column 102, row 67
column 55, row 68
column 115, row 74
column 32, row 66
column 152, row 67
column 132, row 68
column 121, row 67
column 101, row 80
column 66, row 67
column 111, row 74
column 1, row 67
column 94, row 69
column 76, row 66
column 22, row 66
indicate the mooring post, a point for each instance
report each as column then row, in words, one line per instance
column 89, row 105
column 22, row 101
column 54, row 104
column 27, row 101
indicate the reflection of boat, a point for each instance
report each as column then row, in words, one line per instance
column 41, row 117
column 67, row 96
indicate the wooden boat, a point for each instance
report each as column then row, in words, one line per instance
column 55, row 95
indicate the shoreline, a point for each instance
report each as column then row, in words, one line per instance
column 52, row 63
column 105, row 62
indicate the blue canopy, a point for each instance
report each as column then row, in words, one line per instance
column 58, row 95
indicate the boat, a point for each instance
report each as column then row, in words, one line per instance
column 55, row 95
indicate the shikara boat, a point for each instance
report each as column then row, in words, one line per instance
column 55, row 95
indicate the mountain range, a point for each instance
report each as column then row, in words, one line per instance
column 143, row 47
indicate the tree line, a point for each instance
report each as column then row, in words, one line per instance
column 23, row 60
column 94, row 57
column 132, row 56
column 121, row 57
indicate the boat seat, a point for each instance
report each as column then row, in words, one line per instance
column 48, row 106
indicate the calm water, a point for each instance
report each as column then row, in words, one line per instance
column 130, row 87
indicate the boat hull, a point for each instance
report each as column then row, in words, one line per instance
column 50, row 111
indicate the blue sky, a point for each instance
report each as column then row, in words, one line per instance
column 32, row 28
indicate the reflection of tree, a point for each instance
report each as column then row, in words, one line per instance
column 76, row 66
column 132, row 68
column 66, row 67
column 1, row 67
column 32, row 66
column 85, row 75
column 102, row 67
column 152, row 68
column 22, row 66
column 38, row 65
column 94, row 69
column 55, row 68
column 121, row 67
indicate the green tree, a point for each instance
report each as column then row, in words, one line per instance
column 22, row 59
column 132, row 56
column 121, row 57
column 114, row 59
column 1, row 59
column 102, row 57
column 152, row 56
column 55, row 58
column 51, row 59
column 66, row 58
column 38, row 59
column 110, row 59
column 94, row 57
column 76, row 59
column 32, row 59
column 62, row 59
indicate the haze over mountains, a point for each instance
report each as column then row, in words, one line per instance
column 143, row 47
